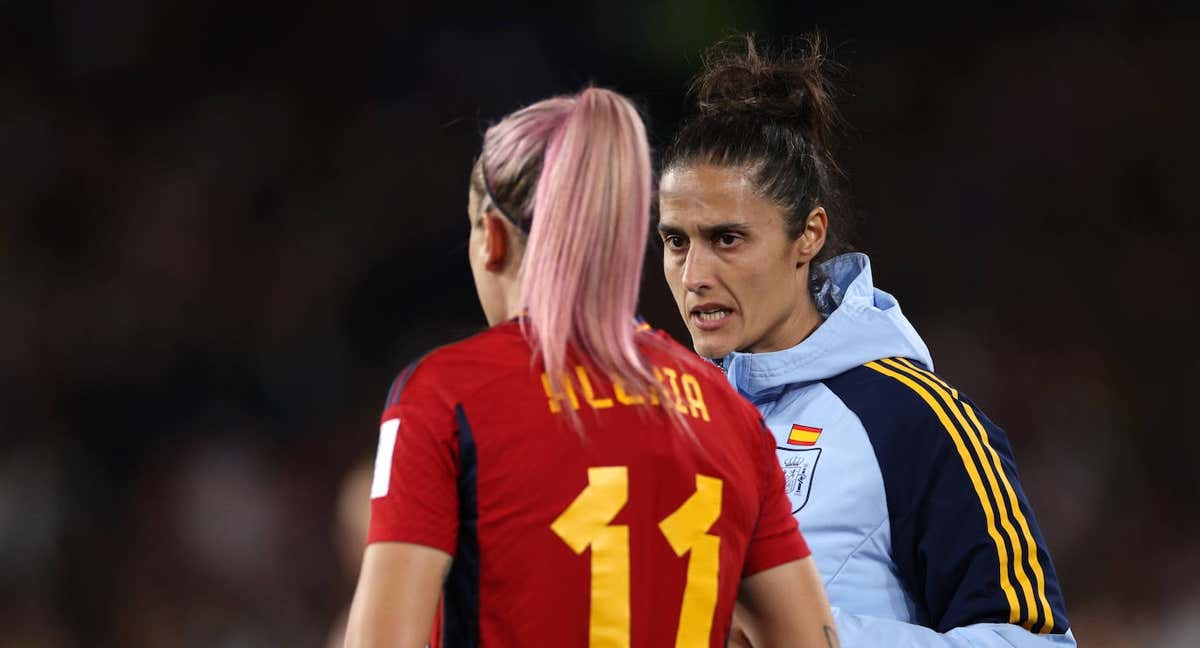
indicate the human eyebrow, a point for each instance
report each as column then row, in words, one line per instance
column 717, row 229
column 666, row 229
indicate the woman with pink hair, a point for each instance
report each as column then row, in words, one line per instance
column 569, row 477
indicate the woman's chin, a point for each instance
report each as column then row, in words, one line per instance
column 713, row 349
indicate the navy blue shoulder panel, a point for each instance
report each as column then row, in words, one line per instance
column 964, row 538
column 397, row 387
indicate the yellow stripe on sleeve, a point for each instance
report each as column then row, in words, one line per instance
column 929, row 374
column 994, row 489
column 1034, row 563
column 968, row 463
column 1048, row 625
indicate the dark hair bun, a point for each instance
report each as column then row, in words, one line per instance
column 775, row 116
column 794, row 86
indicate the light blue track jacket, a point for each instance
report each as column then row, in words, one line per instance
column 907, row 494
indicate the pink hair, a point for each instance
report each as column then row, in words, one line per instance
column 590, row 210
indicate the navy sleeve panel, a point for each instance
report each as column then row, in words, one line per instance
column 461, row 591
column 964, row 537
column 393, row 395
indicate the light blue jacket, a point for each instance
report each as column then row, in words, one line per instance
column 907, row 494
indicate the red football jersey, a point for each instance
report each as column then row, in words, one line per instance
column 626, row 531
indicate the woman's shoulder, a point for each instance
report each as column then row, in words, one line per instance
column 888, row 392
column 900, row 401
column 462, row 365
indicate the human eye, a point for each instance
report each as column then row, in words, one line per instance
column 727, row 239
column 674, row 241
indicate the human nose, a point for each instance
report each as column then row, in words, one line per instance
column 698, row 269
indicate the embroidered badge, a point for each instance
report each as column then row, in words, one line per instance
column 798, row 469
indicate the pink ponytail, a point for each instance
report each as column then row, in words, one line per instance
column 591, row 215
column 590, row 212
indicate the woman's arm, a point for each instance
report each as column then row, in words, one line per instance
column 786, row 606
column 964, row 539
column 397, row 596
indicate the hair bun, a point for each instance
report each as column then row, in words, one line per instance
column 739, row 80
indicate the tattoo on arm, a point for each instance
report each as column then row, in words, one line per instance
column 831, row 638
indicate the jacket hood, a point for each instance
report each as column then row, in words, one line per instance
column 862, row 323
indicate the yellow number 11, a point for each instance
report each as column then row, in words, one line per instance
column 586, row 523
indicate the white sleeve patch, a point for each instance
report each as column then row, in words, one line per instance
column 383, row 457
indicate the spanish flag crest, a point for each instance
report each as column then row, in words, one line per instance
column 803, row 435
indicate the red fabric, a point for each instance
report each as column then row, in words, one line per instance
column 776, row 538
column 533, row 589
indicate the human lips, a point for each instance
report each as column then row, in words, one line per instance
column 710, row 316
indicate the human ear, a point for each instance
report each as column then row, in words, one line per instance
column 496, row 245
column 812, row 237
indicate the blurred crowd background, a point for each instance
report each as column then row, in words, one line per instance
column 224, row 227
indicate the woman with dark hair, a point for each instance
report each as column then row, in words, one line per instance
column 567, row 477
column 907, row 493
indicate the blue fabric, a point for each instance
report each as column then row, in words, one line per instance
column 909, row 497
column 460, row 627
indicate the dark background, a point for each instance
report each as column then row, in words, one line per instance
column 224, row 227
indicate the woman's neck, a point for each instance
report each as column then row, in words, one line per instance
column 800, row 324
